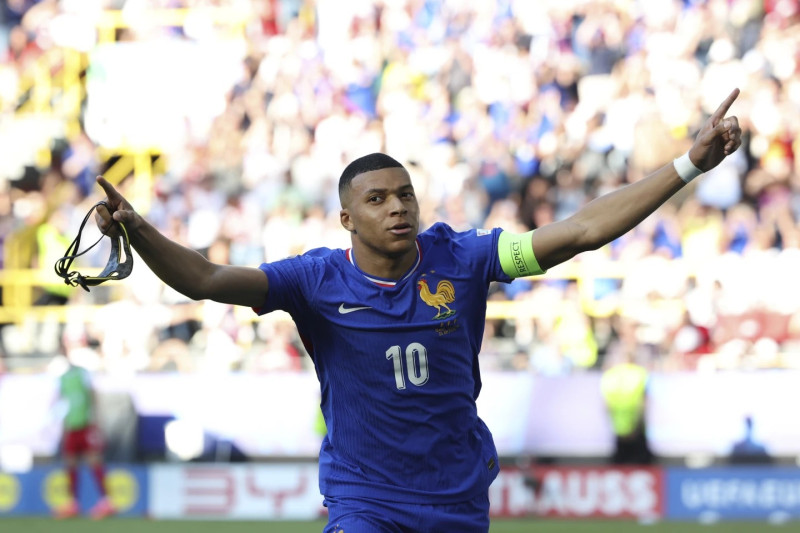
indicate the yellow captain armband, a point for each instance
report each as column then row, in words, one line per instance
column 516, row 255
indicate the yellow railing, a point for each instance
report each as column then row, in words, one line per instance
column 28, row 282
column 233, row 21
column 54, row 84
column 54, row 87
column 142, row 165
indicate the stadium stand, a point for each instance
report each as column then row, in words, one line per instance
column 509, row 113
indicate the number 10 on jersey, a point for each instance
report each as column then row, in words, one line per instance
column 416, row 364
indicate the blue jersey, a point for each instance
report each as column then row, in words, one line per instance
column 397, row 363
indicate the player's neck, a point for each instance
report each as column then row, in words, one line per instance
column 381, row 265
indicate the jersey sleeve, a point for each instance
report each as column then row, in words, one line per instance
column 292, row 284
column 478, row 249
column 495, row 268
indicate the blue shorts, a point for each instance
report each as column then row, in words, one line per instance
column 359, row 515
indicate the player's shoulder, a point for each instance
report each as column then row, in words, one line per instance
column 315, row 255
column 443, row 231
column 315, row 262
column 322, row 253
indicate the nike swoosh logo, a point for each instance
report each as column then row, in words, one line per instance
column 344, row 310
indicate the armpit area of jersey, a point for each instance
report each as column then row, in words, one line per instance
column 117, row 267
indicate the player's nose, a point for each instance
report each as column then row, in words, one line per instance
column 397, row 206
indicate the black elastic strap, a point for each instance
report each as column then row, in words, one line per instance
column 113, row 270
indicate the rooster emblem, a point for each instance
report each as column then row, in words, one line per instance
column 445, row 294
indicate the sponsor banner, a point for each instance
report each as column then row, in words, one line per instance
column 579, row 492
column 566, row 417
column 682, row 421
column 43, row 490
column 36, row 426
column 738, row 493
column 553, row 416
column 231, row 492
column 209, row 401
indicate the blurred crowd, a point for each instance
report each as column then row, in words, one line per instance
column 507, row 113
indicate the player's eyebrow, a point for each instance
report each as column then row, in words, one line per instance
column 376, row 190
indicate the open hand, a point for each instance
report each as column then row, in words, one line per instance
column 719, row 137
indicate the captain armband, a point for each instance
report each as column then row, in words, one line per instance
column 516, row 255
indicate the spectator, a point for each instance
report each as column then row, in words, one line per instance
column 624, row 389
column 748, row 450
column 81, row 438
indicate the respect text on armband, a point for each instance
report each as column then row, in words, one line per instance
column 516, row 256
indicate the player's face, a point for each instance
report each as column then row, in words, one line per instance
column 382, row 212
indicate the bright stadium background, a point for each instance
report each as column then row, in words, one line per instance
column 228, row 122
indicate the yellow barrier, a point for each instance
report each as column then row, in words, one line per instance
column 233, row 20
column 54, row 86
column 27, row 281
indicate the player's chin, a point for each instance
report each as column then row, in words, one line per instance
column 400, row 246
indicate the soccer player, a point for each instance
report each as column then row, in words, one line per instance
column 81, row 439
column 394, row 324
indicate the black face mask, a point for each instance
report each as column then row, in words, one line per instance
column 113, row 270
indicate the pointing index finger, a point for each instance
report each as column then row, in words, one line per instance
column 724, row 106
column 109, row 189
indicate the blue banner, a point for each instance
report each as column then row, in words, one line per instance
column 733, row 493
column 44, row 489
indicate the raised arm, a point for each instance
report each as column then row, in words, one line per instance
column 183, row 269
column 605, row 218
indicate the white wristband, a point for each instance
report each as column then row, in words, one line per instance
column 685, row 168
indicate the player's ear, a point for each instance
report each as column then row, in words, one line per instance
column 347, row 222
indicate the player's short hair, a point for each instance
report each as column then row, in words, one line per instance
column 367, row 163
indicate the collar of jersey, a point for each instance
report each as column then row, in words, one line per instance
column 380, row 281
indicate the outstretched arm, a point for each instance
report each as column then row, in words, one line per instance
column 183, row 269
column 605, row 218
